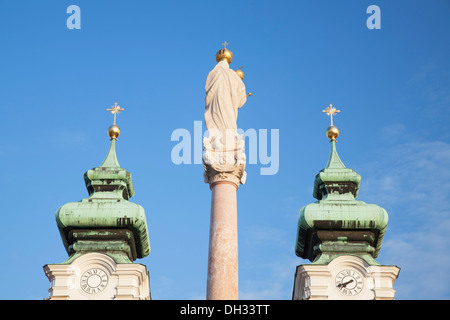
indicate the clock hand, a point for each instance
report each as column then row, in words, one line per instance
column 346, row 283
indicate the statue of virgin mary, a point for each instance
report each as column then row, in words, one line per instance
column 225, row 94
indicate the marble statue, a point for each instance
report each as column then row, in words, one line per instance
column 224, row 155
column 225, row 94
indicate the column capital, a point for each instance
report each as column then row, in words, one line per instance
column 224, row 162
column 231, row 174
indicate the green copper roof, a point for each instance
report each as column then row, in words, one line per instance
column 107, row 208
column 335, row 172
column 110, row 176
column 111, row 158
column 334, row 162
column 337, row 221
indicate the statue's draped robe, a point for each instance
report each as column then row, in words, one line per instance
column 225, row 94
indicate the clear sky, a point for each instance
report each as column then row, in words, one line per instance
column 392, row 86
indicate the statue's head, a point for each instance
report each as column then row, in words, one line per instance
column 224, row 54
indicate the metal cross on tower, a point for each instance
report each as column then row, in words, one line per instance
column 115, row 109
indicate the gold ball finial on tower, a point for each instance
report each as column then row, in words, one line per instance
column 332, row 131
column 114, row 130
column 224, row 54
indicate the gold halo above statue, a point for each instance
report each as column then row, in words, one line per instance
column 224, row 54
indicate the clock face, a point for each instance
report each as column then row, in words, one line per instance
column 349, row 282
column 93, row 281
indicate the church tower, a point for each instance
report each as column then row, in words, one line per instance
column 341, row 236
column 102, row 234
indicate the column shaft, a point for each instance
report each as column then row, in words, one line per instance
column 222, row 282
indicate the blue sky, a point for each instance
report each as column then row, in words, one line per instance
column 392, row 86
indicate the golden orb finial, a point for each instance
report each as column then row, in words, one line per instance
column 114, row 130
column 224, row 54
column 332, row 131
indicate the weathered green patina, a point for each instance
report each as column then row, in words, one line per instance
column 337, row 223
column 106, row 221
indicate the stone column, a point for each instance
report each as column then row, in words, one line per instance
column 222, row 282
column 224, row 171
